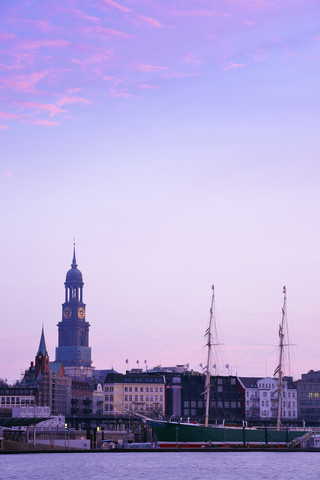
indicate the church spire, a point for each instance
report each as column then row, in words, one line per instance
column 74, row 261
column 42, row 345
column 42, row 358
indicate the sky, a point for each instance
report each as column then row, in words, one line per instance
column 178, row 143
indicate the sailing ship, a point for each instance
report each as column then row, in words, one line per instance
column 171, row 434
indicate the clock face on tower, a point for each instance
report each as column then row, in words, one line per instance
column 81, row 312
column 67, row 312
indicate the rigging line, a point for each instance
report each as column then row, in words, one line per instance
column 180, row 336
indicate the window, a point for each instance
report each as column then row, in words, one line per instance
column 226, row 404
column 141, row 398
column 126, row 398
column 106, row 397
column 156, row 398
column 147, row 389
column 220, row 389
column 219, row 381
column 156, row 389
column 147, row 398
column 130, row 398
column 136, row 398
column 220, row 405
column 193, row 404
column 135, row 389
column 186, row 404
column 200, row 404
column 161, row 398
column 186, row 411
column 151, row 398
column 125, row 389
column 193, row 411
column 130, row 389
column 233, row 404
column 141, row 389
column 151, row 389
column 111, row 398
column 233, row 381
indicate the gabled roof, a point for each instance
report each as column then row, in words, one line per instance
column 249, row 382
column 57, row 368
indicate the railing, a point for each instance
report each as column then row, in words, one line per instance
column 298, row 440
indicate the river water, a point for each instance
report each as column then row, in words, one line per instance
column 162, row 466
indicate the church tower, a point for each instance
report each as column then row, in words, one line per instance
column 42, row 358
column 73, row 348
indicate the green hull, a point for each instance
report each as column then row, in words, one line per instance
column 172, row 433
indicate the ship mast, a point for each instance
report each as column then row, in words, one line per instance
column 280, row 366
column 208, row 334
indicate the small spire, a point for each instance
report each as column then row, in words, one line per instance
column 74, row 261
column 42, row 344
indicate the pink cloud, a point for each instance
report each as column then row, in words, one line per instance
column 116, row 5
column 49, row 107
column 41, row 121
column 4, row 127
column 80, row 14
column 172, row 74
column 259, row 56
column 190, row 58
column 152, row 22
column 20, row 61
column 150, row 68
column 232, row 65
column 8, row 115
column 195, row 13
column 255, row 3
column 66, row 100
column 108, row 77
column 95, row 58
column 146, row 86
column 25, row 83
column 35, row 44
column 43, row 25
column 107, row 32
column 6, row 36
column 120, row 93
column 249, row 23
column 290, row 54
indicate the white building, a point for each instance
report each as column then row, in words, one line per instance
column 262, row 397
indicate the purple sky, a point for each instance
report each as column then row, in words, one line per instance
column 179, row 143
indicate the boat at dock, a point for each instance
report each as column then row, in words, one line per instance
column 175, row 434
